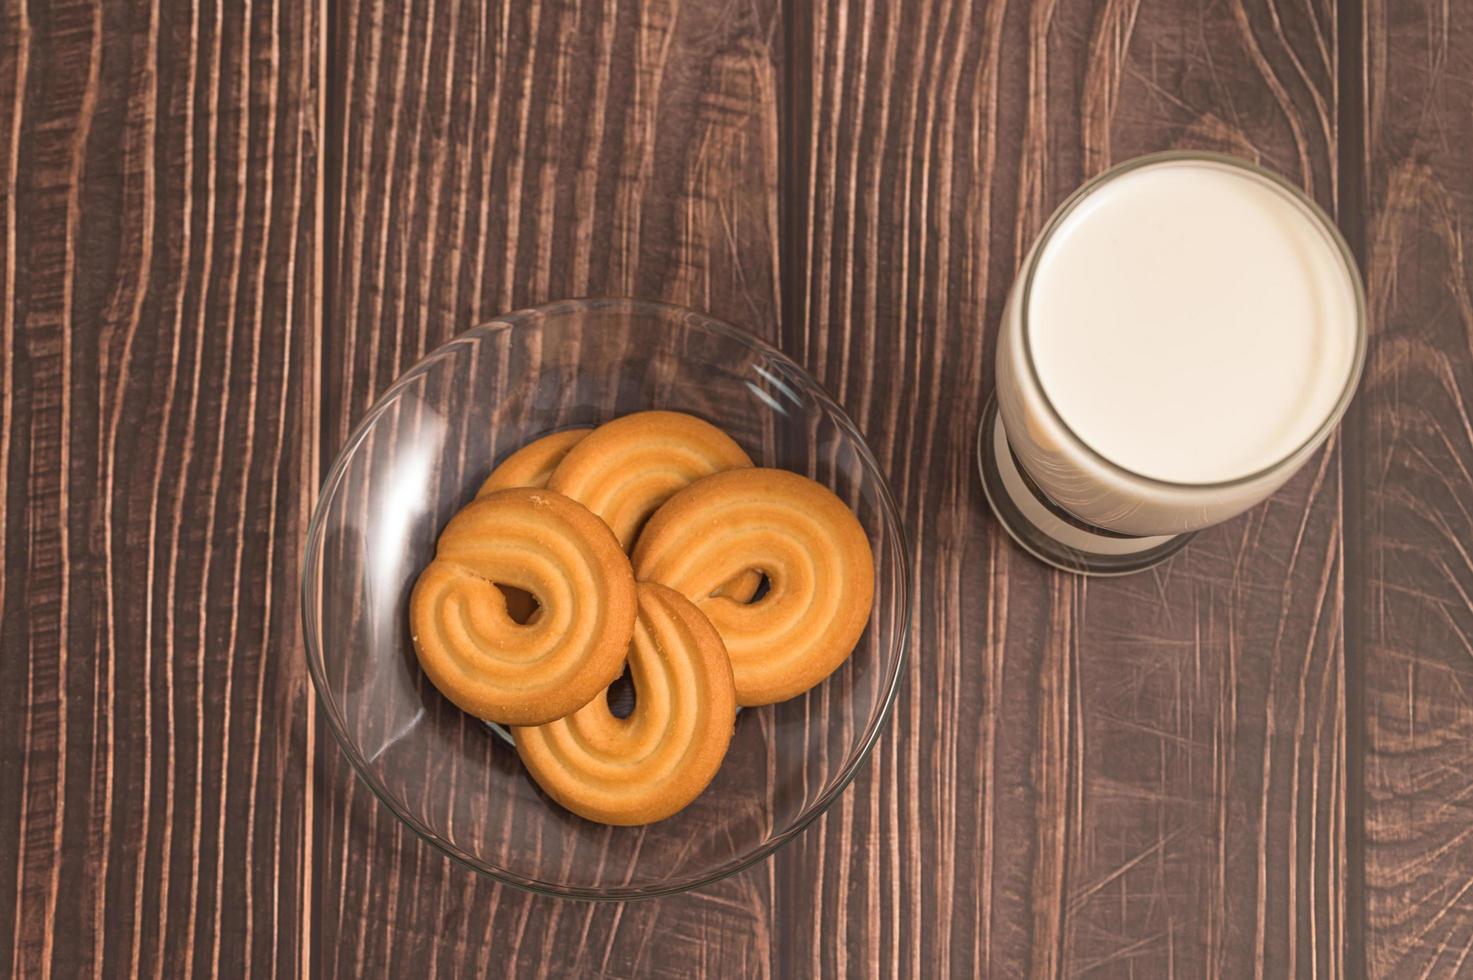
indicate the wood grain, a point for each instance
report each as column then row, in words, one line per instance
column 158, row 397
column 496, row 156
column 1143, row 776
column 1413, row 454
column 1217, row 843
column 1250, row 762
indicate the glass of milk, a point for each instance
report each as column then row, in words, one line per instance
column 1186, row 331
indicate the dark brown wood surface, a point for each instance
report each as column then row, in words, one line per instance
column 228, row 227
column 157, row 465
column 548, row 150
column 1410, row 558
column 1139, row 775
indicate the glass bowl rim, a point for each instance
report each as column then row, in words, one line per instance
column 316, row 661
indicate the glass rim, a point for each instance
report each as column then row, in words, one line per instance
column 1312, row 210
column 310, row 579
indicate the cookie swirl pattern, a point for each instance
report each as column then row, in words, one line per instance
column 815, row 554
column 643, row 768
column 626, row 468
column 530, row 466
column 482, row 659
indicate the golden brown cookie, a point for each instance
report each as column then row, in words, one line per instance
column 816, row 556
column 648, row 766
column 483, row 660
column 531, row 465
column 626, row 468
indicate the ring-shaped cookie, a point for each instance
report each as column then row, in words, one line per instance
column 530, row 466
column 624, row 469
column 815, row 554
column 648, row 766
column 482, row 659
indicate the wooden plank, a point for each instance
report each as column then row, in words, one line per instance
column 1140, row 776
column 490, row 157
column 157, row 405
column 1412, row 615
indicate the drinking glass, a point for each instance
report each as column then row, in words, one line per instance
column 1067, row 502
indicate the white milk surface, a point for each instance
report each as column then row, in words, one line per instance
column 1191, row 322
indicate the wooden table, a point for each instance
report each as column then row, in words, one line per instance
column 228, row 226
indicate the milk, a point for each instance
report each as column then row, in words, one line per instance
column 1182, row 338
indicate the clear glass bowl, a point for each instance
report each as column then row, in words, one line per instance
column 420, row 454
